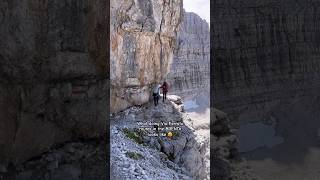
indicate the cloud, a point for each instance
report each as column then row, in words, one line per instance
column 200, row 7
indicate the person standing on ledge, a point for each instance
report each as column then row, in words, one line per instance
column 156, row 94
column 165, row 88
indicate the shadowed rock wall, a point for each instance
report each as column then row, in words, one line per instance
column 53, row 74
column 265, row 52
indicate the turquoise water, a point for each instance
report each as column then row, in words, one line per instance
column 190, row 104
column 257, row 135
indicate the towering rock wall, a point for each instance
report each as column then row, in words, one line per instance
column 190, row 68
column 142, row 39
column 266, row 52
column 53, row 74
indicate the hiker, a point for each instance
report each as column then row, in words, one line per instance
column 156, row 94
column 165, row 88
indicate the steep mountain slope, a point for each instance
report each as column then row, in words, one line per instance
column 190, row 68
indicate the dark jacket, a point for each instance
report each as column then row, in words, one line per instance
column 165, row 87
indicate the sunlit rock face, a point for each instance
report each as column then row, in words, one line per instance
column 264, row 53
column 53, row 74
column 190, row 68
column 143, row 35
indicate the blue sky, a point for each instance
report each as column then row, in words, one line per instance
column 200, row 7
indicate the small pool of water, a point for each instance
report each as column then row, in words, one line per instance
column 190, row 104
column 256, row 135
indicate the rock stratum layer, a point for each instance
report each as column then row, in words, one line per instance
column 53, row 74
column 190, row 68
column 142, row 39
column 265, row 52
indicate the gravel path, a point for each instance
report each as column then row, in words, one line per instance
column 150, row 162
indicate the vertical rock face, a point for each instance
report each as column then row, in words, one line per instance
column 53, row 71
column 142, row 39
column 190, row 68
column 265, row 52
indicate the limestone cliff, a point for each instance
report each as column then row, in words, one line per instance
column 265, row 53
column 142, row 39
column 53, row 74
column 190, row 68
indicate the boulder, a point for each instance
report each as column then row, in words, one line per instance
column 220, row 123
column 174, row 98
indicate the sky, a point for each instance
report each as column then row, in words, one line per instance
column 200, row 7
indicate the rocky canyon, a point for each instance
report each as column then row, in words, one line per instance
column 142, row 55
column 71, row 68
column 143, row 38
